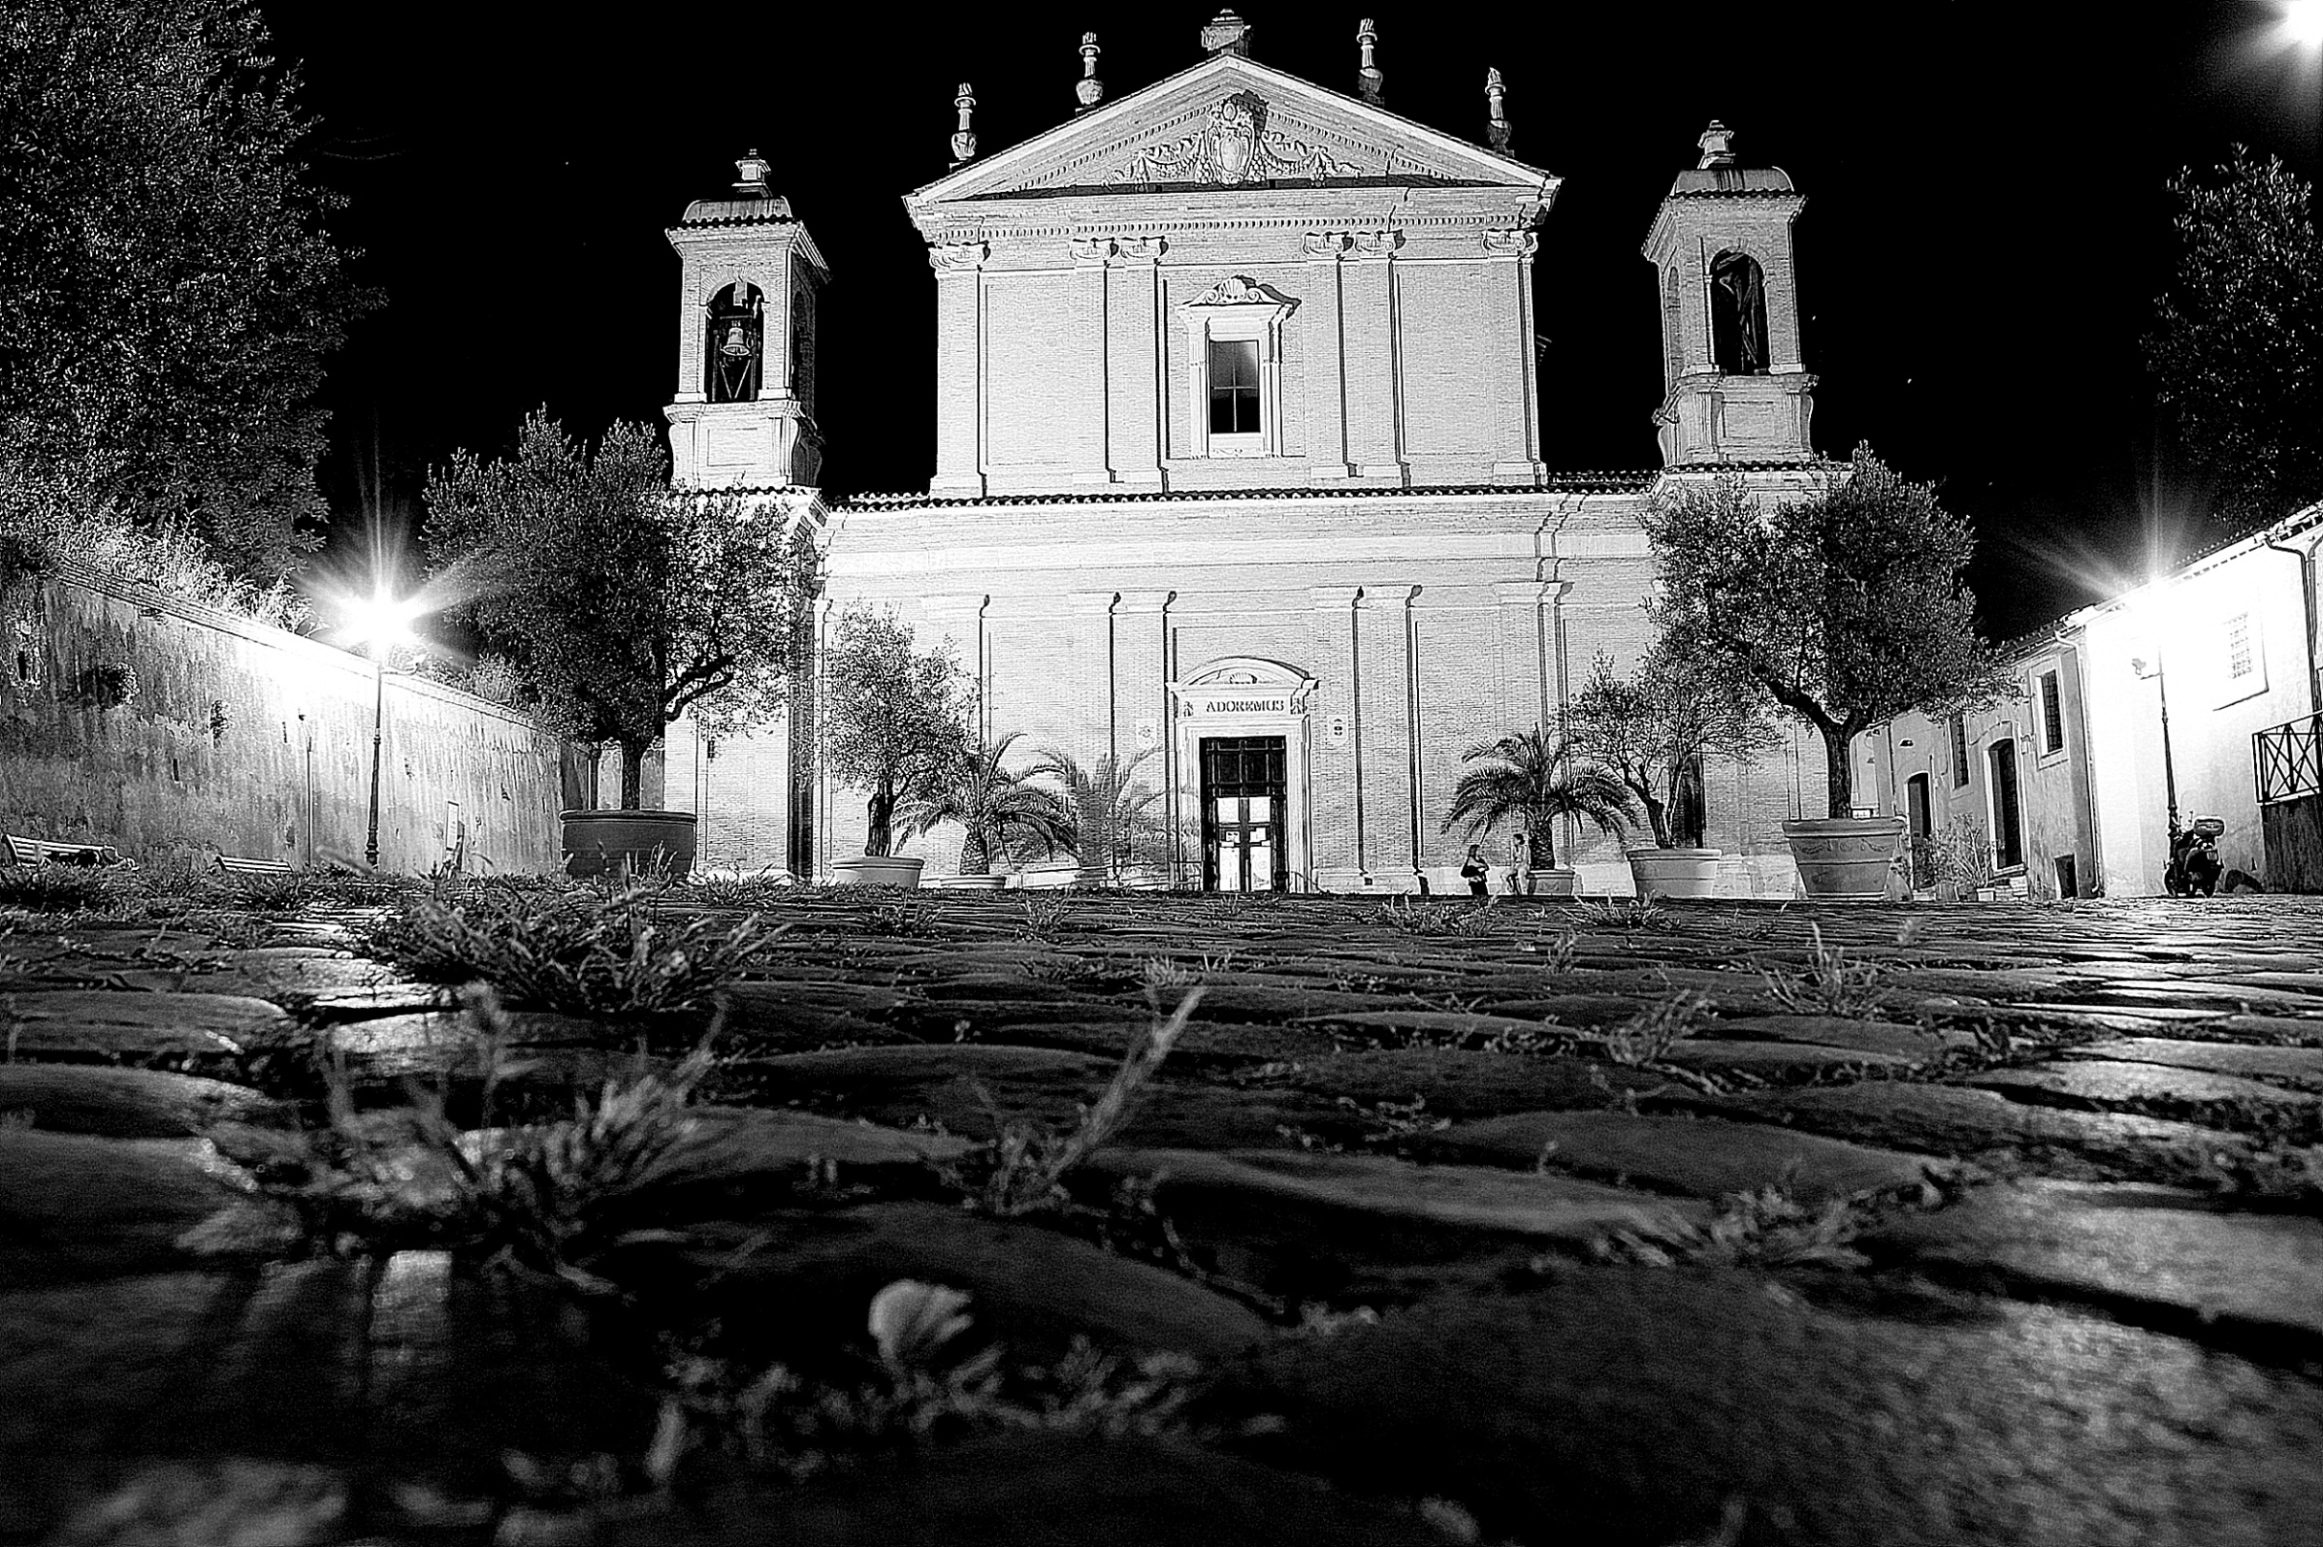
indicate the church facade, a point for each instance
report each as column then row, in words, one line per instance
column 1238, row 478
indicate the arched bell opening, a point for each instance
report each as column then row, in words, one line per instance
column 735, row 361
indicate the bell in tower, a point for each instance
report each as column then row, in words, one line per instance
column 1734, row 389
column 743, row 415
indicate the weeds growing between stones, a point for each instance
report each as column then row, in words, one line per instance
column 920, row 1384
column 1023, row 1169
column 584, row 951
column 1646, row 913
column 1767, row 1228
column 1830, row 984
column 541, row 1195
column 1418, row 918
column 1654, row 1030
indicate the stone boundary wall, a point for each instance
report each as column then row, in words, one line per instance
column 174, row 732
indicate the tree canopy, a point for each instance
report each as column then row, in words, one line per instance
column 621, row 603
column 1845, row 608
column 1651, row 727
column 172, row 292
column 895, row 716
column 2237, row 346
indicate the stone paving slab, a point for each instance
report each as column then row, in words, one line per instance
column 127, row 1103
column 1635, row 1407
column 1777, row 1059
column 2259, row 1274
column 1951, row 1120
column 75, row 1207
column 1041, row 1490
column 91, row 1023
column 799, row 1294
column 1703, row 1157
column 2102, row 1084
column 1459, row 1084
column 1545, row 1208
column 1915, row 1043
column 2299, row 1066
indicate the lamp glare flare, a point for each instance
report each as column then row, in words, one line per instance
column 382, row 620
column 2300, row 23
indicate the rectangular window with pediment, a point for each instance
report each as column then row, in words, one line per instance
column 1234, row 337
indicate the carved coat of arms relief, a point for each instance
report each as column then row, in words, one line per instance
column 1233, row 146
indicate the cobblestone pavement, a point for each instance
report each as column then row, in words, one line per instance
column 1525, row 1223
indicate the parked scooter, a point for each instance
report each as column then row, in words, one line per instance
column 2194, row 867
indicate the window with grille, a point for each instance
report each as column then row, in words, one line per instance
column 1959, row 751
column 2240, row 661
column 2052, row 714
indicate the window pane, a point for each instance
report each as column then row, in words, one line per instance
column 1234, row 386
column 1233, row 362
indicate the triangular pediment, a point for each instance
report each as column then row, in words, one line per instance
column 1228, row 123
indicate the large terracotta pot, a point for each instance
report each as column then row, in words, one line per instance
column 1845, row 859
column 876, row 870
column 655, row 843
column 1555, row 881
column 1675, row 873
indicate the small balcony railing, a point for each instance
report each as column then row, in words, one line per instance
column 2289, row 759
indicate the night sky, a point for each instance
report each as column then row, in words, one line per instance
column 1986, row 223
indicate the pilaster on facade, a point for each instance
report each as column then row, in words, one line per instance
column 1374, row 369
column 960, row 329
column 1135, row 428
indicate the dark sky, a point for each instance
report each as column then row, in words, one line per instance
column 1985, row 230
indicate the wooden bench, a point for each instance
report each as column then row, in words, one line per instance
column 43, row 851
column 236, row 866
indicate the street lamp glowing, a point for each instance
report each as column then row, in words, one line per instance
column 2301, row 23
column 382, row 621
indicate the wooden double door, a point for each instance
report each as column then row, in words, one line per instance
column 1243, row 794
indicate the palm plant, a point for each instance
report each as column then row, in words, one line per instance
column 1003, row 812
column 1113, row 809
column 1534, row 777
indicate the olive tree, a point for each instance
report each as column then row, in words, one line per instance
column 895, row 717
column 1844, row 608
column 620, row 603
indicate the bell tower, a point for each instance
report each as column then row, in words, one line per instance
column 1734, row 389
column 743, row 415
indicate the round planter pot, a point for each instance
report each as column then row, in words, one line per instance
column 969, row 883
column 1845, row 859
column 876, row 870
column 1559, row 882
column 1674, row 873
column 654, row 843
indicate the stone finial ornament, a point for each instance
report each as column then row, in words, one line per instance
column 1717, row 144
column 1226, row 33
column 750, row 175
column 1089, row 89
column 964, row 142
column 1498, row 129
column 1368, row 79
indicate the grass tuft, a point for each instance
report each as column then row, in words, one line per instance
column 1624, row 913
column 587, row 951
column 1654, row 1030
column 1419, row 918
column 543, row 1195
column 1829, row 984
column 1022, row 1171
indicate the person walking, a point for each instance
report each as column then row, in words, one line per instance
column 1475, row 873
column 1520, row 865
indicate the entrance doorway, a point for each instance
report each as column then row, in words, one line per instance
column 2008, row 832
column 1919, row 828
column 1244, row 784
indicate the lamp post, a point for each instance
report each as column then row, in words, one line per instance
column 382, row 621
